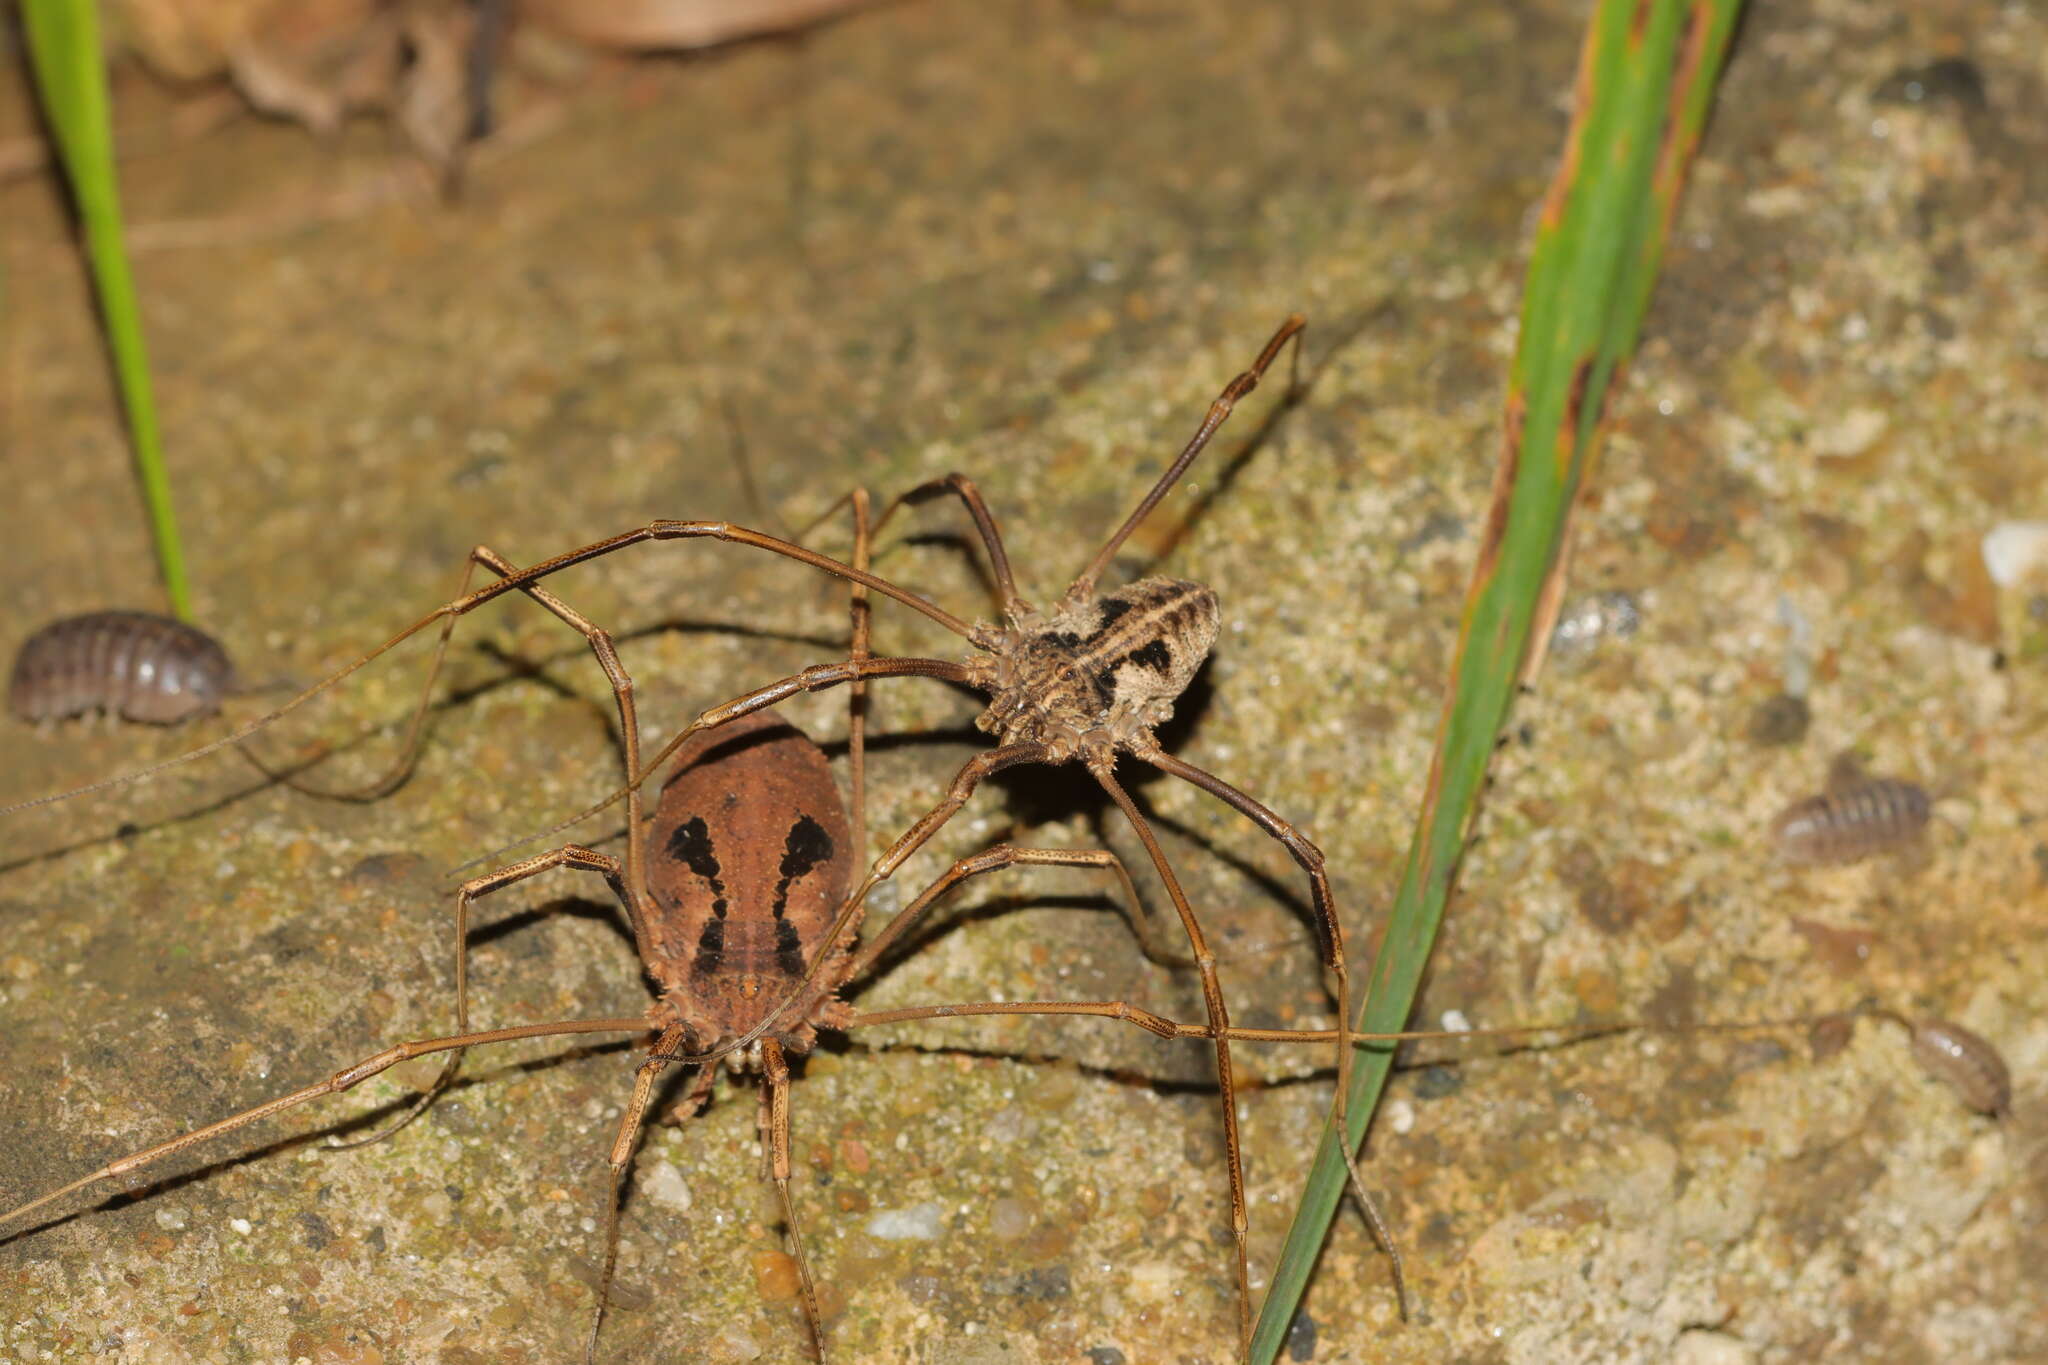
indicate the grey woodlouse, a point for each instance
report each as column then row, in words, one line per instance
column 133, row 664
column 1851, row 822
column 1964, row 1062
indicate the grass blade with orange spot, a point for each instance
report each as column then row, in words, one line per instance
column 1645, row 83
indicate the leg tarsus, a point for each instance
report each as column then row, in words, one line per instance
column 1218, row 1014
column 1083, row 586
column 620, row 1159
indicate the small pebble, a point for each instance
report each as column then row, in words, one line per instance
column 1439, row 1081
column 665, row 1185
column 2015, row 550
column 1586, row 620
column 776, row 1276
column 1009, row 1219
column 1153, row 1280
column 1301, row 1338
column 918, row 1223
column 1830, row 1034
column 1952, row 80
column 1044, row 1284
column 1779, row 720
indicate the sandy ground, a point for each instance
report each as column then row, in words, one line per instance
column 1029, row 241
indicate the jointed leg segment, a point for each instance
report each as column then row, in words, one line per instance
column 347, row 1078
column 997, row 857
column 1310, row 859
column 571, row 855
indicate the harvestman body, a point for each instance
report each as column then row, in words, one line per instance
column 1097, row 676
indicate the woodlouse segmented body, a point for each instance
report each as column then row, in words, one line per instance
column 128, row 663
column 1965, row 1063
column 1850, row 823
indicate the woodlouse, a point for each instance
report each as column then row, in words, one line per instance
column 133, row 664
column 1849, row 823
column 1964, row 1062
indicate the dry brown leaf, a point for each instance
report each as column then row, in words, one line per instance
column 315, row 62
column 433, row 97
column 187, row 40
column 652, row 25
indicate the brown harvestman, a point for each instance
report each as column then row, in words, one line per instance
column 1085, row 682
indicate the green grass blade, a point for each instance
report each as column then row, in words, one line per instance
column 1645, row 83
column 64, row 49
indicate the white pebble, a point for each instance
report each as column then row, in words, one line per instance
column 241, row 1225
column 1401, row 1116
column 665, row 1186
column 2015, row 549
column 1152, row 1280
column 1854, row 432
column 918, row 1223
column 1456, row 1022
column 1704, row 1346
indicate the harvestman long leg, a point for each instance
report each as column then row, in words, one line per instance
column 621, row 681
column 984, row 525
column 1219, row 1023
column 1083, row 585
column 520, row 581
column 345, row 1079
column 1310, row 859
column 993, row 859
column 569, row 855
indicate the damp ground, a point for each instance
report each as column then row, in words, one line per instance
column 1029, row 242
